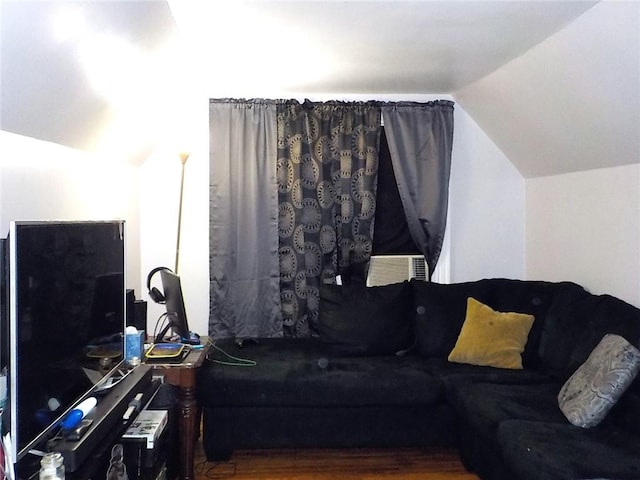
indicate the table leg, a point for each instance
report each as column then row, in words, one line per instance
column 187, row 431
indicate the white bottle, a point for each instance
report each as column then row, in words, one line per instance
column 52, row 466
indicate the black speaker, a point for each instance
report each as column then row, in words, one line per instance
column 130, row 298
column 140, row 316
column 136, row 312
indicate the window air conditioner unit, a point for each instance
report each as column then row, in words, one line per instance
column 386, row 269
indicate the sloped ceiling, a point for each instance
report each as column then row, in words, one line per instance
column 554, row 83
column 571, row 103
column 363, row 47
column 66, row 67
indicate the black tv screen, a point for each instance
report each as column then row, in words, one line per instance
column 66, row 312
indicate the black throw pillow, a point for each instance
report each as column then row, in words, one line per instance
column 359, row 320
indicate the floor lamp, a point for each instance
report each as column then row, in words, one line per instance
column 183, row 158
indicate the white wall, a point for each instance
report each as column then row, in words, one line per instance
column 585, row 227
column 486, row 207
column 45, row 181
column 159, row 200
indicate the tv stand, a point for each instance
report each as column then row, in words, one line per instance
column 108, row 424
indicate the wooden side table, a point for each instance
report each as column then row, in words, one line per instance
column 183, row 376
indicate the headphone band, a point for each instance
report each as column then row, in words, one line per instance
column 153, row 272
column 155, row 294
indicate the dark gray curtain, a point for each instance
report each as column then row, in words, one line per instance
column 244, row 271
column 420, row 137
column 327, row 174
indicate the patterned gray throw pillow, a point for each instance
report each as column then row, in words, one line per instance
column 588, row 395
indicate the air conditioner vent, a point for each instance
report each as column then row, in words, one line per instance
column 386, row 269
column 419, row 268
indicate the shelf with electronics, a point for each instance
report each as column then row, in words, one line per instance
column 63, row 310
column 101, row 438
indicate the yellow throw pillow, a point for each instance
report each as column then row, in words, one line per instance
column 490, row 338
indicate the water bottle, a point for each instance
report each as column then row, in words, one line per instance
column 52, row 466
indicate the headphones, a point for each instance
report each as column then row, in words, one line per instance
column 155, row 294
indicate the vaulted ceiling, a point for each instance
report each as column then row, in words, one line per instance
column 555, row 84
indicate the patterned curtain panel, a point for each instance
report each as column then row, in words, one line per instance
column 327, row 165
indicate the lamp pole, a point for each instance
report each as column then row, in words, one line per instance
column 183, row 158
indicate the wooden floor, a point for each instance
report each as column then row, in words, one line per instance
column 352, row 464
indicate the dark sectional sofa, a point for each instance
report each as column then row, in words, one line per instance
column 378, row 375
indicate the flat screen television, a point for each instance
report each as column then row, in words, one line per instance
column 67, row 311
column 176, row 311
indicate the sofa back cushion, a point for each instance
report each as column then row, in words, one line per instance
column 626, row 413
column 359, row 320
column 576, row 322
column 440, row 310
column 607, row 314
column 597, row 385
column 569, row 321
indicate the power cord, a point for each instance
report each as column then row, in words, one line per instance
column 160, row 323
column 229, row 360
column 215, row 470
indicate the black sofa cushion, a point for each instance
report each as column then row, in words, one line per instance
column 303, row 372
column 606, row 314
column 626, row 413
column 576, row 322
column 551, row 451
column 453, row 375
column 359, row 320
column 440, row 310
column 482, row 407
